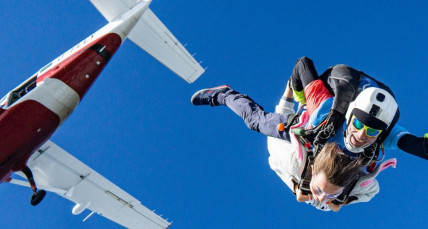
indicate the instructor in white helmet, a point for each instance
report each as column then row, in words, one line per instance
column 370, row 119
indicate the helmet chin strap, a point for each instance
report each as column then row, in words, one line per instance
column 349, row 146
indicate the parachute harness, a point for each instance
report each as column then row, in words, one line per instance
column 319, row 135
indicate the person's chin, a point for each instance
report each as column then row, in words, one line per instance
column 355, row 142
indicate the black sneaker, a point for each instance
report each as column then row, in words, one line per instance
column 207, row 96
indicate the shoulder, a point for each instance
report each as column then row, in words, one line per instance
column 284, row 156
column 365, row 190
column 391, row 141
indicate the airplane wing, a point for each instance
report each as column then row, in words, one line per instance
column 111, row 9
column 153, row 36
column 57, row 171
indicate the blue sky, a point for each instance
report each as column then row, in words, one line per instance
column 201, row 167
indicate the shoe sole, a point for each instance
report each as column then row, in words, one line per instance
column 213, row 88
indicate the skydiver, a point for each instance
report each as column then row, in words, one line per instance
column 257, row 119
column 365, row 134
column 331, row 172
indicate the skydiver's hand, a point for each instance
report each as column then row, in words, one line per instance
column 334, row 207
column 300, row 196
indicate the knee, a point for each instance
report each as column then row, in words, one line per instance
column 302, row 64
column 304, row 60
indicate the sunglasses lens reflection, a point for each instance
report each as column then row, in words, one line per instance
column 357, row 124
column 371, row 132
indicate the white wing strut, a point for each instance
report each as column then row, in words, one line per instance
column 57, row 171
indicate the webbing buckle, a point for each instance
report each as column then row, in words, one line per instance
column 305, row 181
column 304, row 186
column 340, row 199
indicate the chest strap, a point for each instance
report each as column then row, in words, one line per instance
column 305, row 179
column 343, row 197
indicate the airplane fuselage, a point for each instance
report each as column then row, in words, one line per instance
column 32, row 112
column 34, row 118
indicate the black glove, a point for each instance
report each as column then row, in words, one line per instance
column 426, row 143
column 417, row 146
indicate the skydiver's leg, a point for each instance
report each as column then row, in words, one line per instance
column 253, row 114
column 304, row 73
column 307, row 87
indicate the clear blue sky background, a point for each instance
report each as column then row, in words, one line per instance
column 201, row 167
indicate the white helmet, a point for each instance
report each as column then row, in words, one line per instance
column 374, row 107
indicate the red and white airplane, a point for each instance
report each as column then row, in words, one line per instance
column 32, row 112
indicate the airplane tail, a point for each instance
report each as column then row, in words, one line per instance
column 153, row 36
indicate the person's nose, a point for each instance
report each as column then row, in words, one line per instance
column 361, row 134
column 321, row 198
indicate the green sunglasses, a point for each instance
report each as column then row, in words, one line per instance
column 370, row 132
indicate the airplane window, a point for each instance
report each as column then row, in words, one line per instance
column 45, row 67
column 14, row 96
column 3, row 101
column 21, row 90
column 31, row 86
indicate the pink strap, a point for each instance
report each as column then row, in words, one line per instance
column 303, row 119
column 390, row 162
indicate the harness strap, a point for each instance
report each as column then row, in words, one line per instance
column 292, row 120
column 343, row 197
column 317, row 136
column 304, row 184
column 370, row 153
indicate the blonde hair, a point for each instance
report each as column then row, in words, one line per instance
column 338, row 168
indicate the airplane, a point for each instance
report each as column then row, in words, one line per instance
column 32, row 112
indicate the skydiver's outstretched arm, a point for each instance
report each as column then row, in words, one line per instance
column 417, row 146
column 400, row 139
